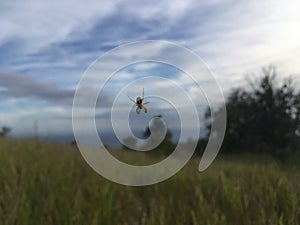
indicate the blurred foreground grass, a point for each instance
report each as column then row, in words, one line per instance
column 51, row 184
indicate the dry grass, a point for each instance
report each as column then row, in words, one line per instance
column 51, row 184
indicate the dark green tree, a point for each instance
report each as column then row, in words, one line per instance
column 166, row 147
column 130, row 141
column 4, row 131
column 265, row 118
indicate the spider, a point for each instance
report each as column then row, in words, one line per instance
column 139, row 103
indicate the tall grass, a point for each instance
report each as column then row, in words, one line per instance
column 51, row 184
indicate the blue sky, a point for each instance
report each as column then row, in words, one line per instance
column 46, row 46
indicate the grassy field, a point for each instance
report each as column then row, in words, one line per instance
column 43, row 184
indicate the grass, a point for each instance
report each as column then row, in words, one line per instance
column 51, row 184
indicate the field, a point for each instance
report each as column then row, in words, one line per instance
column 43, row 184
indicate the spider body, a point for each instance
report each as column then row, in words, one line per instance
column 139, row 103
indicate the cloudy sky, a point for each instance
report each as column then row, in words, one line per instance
column 46, row 46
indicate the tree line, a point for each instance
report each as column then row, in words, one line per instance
column 4, row 131
column 262, row 117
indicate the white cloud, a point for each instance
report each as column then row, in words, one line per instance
column 233, row 37
column 250, row 35
column 42, row 23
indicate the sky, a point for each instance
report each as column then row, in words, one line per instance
column 46, row 47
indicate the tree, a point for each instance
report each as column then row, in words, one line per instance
column 265, row 118
column 5, row 130
column 166, row 147
column 129, row 141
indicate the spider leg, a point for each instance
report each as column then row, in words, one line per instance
column 138, row 110
column 131, row 99
column 146, row 103
column 143, row 94
column 145, row 109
